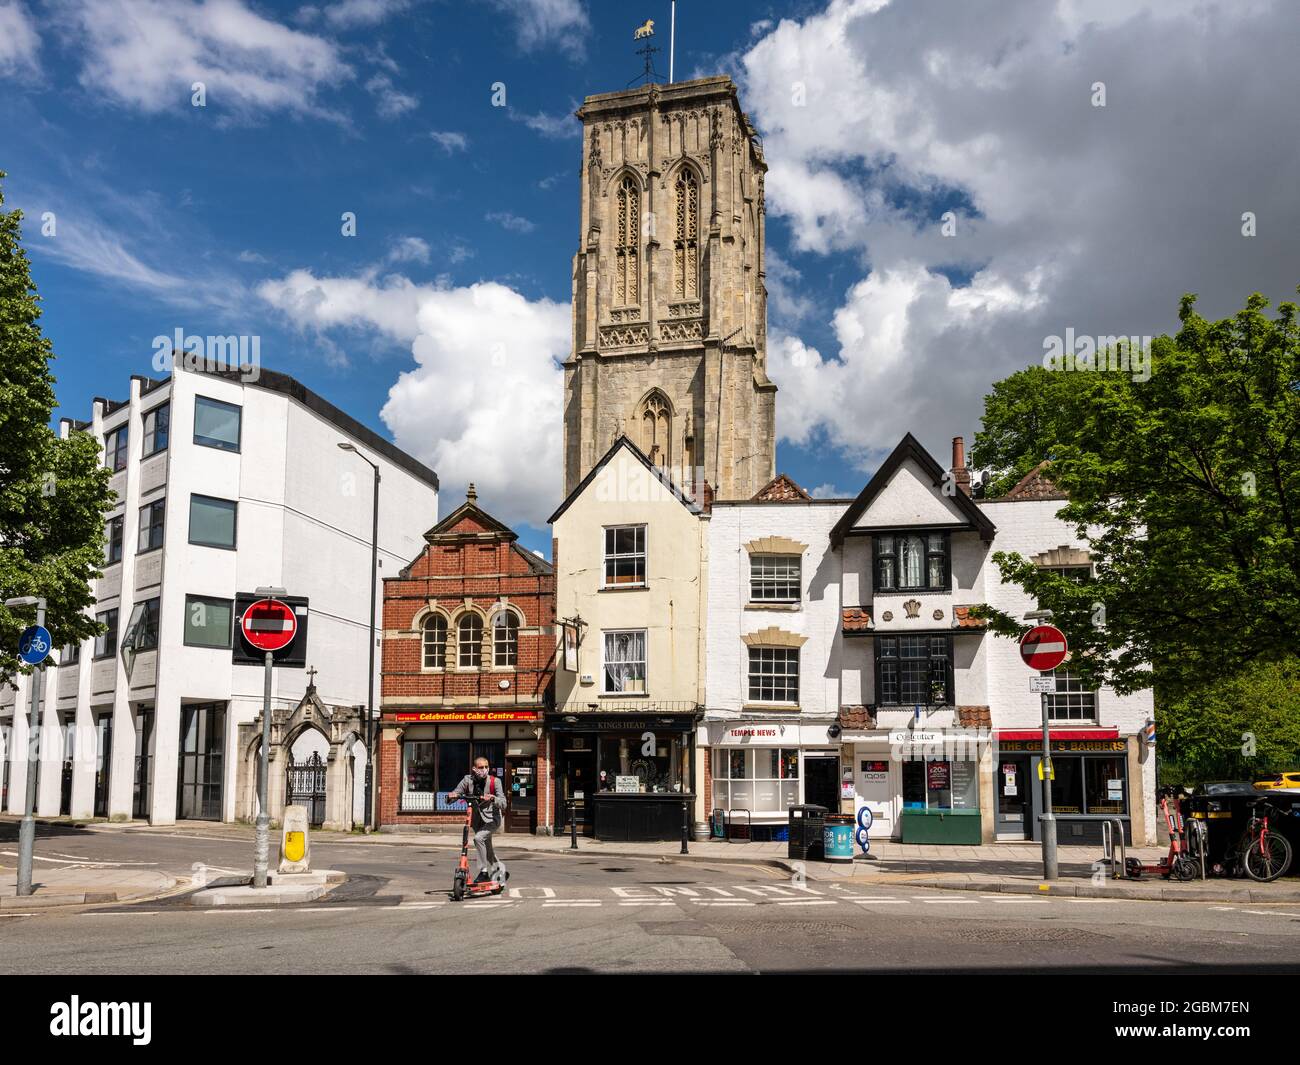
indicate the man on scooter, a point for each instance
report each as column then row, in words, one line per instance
column 485, row 794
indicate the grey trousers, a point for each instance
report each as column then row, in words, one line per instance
column 487, row 857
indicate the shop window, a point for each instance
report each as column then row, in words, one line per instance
column 914, row 670
column 433, row 767
column 774, row 674
column 625, row 556
column 625, row 665
column 774, row 579
column 763, row 780
column 911, row 562
column 1104, row 789
column 1067, row 785
column 647, row 762
column 1072, row 701
column 940, row 784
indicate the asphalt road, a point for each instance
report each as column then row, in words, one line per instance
column 581, row 913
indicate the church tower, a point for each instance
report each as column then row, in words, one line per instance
column 669, row 304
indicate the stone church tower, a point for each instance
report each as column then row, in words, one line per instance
column 669, row 304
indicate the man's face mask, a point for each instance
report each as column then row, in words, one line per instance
column 480, row 771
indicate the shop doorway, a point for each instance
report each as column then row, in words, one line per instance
column 1015, row 798
column 821, row 786
column 521, row 780
column 103, row 761
column 577, row 782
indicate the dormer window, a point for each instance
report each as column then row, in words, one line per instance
column 912, row 562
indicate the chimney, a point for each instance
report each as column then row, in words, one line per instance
column 471, row 493
column 960, row 474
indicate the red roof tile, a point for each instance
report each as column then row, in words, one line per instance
column 781, row 489
column 856, row 619
column 961, row 619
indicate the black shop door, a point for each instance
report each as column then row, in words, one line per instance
column 822, row 781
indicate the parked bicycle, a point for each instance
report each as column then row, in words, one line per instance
column 1262, row 853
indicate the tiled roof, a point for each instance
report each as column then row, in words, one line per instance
column 781, row 489
column 961, row 619
column 974, row 717
column 857, row 717
column 856, row 619
column 1036, row 485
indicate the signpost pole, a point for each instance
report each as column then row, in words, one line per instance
column 27, row 827
column 1048, row 821
column 262, row 839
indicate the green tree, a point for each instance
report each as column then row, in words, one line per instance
column 1186, row 488
column 53, row 493
column 1242, row 727
column 1020, row 425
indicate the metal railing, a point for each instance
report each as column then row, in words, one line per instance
column 1112, row 846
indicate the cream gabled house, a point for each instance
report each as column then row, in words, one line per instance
column 630, row 556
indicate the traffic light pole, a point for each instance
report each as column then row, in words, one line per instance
column 27, row 827
column 262, row 837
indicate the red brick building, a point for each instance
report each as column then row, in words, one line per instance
column 468, row 656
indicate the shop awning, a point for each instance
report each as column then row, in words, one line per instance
column 1058, row 734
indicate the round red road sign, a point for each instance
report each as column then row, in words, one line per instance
column 1043, row 647
column 269, row 625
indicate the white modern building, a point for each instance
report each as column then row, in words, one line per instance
column 844, row 667
column 224, row 483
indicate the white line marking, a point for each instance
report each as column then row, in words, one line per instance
column 237, row 909
column 647, row 902
column 882, row 902
column 17, row 915
column 807, row 902
column 952, row 902
column 119, row 913
column 720, row 902
column 1023, row 902
column 322, row 909
column 1271, row 913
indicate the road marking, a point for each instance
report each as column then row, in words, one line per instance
column 322, row 909
column 807, row 902
column 119, row 913
column 239, row 910
column 648, row 902
column 721, row 902
column 1271, row 913
column 17, row 915
column 1023, row 902
column 583, row 904
column 881, row 902
column 420, row 905
column 952, row 902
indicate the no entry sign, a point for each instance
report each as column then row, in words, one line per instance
column 1043, row 647
column 269, row 625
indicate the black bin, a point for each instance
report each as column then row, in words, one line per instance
column 806, row 824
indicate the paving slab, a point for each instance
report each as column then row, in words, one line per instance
column 78, row 886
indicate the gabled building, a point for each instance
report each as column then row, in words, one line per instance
column 631, row 555
column 469, row 643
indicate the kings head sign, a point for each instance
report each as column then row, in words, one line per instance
column 1043, row 647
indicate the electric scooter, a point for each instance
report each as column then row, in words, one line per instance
column 1179, row 864
column 461, row 885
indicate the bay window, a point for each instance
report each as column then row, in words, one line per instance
column 913, row 670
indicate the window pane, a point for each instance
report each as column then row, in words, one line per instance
column 773, row 674
column 789, row 764
column 453, row 763
column 106, row 642
column 505, row 642
column 113, row 546
column 911, row 557
column 625, row 555
column 157, row 424
column 151, row 526
column 1104, row 790
column 212, row 521
column 469, row 639
column 435, row 643
column 767, row 763
column 625, row 662
column 774, row 578
column 216, row 424
column 1067, row 787
column 207, row 621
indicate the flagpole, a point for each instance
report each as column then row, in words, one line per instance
column 672, row 42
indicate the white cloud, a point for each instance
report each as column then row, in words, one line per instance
column 483, row 401
column 391, row 102
column 409, row 250
column 450, row 141
column 19, row 41
column 509, row 221
column 247, row 256
column 875, row 113
column 556, row 127
column 351, row 13
column 147, row 53
column 828, row 491
column 561, row 24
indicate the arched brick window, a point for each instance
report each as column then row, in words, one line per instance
column 505, row 639
column 435, row 642
column 469, row 642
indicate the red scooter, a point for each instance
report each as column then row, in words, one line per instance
column 461, row 885
column 1179, row 864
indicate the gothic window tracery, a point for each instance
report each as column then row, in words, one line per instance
column 627, row 233
column 656, row 419
column 686, row 258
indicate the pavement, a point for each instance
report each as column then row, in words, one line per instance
column 1013, row 869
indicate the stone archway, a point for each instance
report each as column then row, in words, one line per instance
column 311, row 727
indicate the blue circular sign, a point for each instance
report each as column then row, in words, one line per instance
column 34, row 645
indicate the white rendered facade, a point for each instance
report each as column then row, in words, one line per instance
column 302, row 513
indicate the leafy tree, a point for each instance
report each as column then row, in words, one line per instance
column 1242, row 728
column 53, row 493
column 1186, row 488
column 1020, row 425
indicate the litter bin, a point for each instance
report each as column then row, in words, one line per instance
column 837, row 837
column 805, row 827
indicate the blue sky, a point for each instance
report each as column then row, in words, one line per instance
column 225, row 219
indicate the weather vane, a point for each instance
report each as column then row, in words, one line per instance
column 645, row 32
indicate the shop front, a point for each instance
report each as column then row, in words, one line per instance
column 921, row 786
column 424, row 754
column 623, row 776
column 760, row 768
column 1090, row 783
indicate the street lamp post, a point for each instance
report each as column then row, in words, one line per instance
column 27, row 828
column 370, row 685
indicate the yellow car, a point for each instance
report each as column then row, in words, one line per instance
column 1281, row 780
